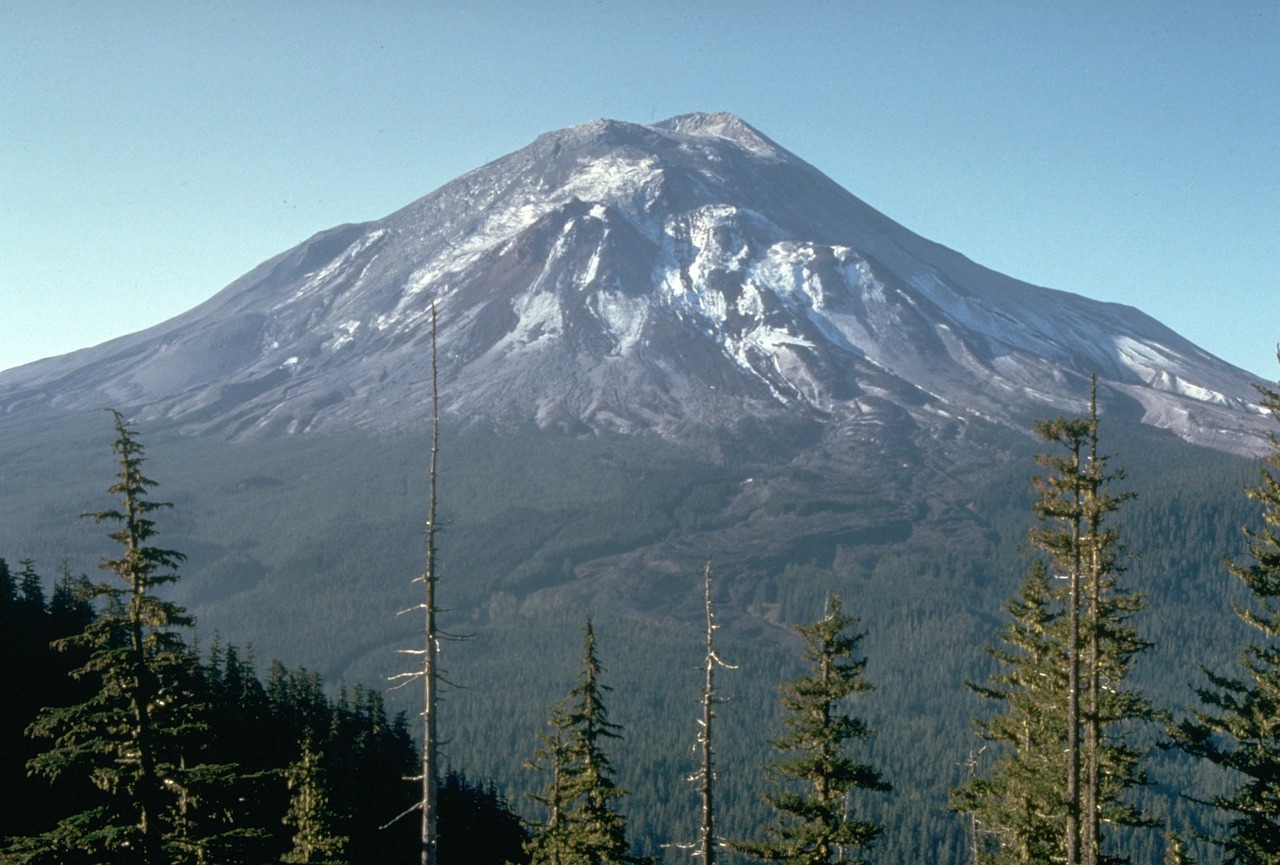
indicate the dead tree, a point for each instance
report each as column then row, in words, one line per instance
column 705, row 776
column 429, row 672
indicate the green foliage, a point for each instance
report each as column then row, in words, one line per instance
column 35, row 675
column 133, row 737
column 1064, row 756
column 479, row 827
column 1017, row 807
column 1238, row 725
column 815, row 774
column 341, row 516
column 314, row 840
column 583, row 825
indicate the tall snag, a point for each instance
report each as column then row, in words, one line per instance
column 429, row 672
column 705, row 777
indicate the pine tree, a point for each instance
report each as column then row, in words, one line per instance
column 476, row 826
column 815, row 774
column 1018, row 807
column 584, row 826
column 1238, row 727
column 31, row 590
column 1064, row 763
column 132, row 737
column 315, row 841
column 551, row 842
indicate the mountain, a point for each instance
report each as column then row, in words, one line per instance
column 673, row 277
column 656, row 343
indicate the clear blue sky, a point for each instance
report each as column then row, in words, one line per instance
column 151, row 152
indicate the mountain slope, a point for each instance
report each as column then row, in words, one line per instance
column 841, row 406
column 673, row 277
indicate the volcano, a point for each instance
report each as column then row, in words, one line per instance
column 675, row 277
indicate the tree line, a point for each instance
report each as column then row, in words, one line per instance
column 140, row 749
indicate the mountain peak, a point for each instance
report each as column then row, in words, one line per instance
column 722, row 124
column 613, row 275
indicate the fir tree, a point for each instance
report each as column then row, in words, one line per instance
column 133, row 736
column 1064, row 762
column 552, row 840
column 1175, row 852
column 1238, row 727
column 1018, row 808
column 70, row 605
column 31, row 590
column 8, row 587
column 584, row 826
column 476, row 826
column 815, row 774
column 315, row 841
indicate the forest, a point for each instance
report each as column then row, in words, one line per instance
column 127, row 741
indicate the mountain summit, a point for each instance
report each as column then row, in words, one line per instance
column 681, row 275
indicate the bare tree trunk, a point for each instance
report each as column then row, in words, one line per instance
column 975, row 842
column 1073, row 681
column 707, row 838
column 431, row 647
column 706, row 846
column 1092, row 721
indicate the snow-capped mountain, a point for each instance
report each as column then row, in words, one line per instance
column 619, row 276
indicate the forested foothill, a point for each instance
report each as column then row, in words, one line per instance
column 1093, row 739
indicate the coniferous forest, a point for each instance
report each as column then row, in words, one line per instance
column 129, row 740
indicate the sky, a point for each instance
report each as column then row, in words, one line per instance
column 152, row 152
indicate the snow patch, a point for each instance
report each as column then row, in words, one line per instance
column 339, row 265
column 610, row 178
column 624, row 317
column 539, row 319
column 345, row 333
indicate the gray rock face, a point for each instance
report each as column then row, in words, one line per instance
column 682, row 275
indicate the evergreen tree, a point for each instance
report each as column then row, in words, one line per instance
column 1065, row 763
column 1238, row 727
column 8, row 587
column 70, row 605
column 31, row 590
column 315, row 841
column 815, row 774
column 133, row 736
column 476, row 826
column 1018, row 808
column 35, row 675
column 552, row 841
column 1176, row 853
column 584, row 826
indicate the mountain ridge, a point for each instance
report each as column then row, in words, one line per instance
column 674, row 276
